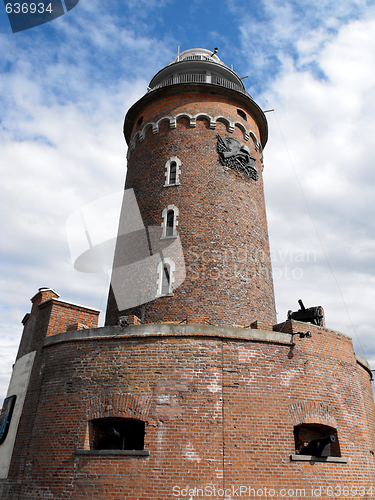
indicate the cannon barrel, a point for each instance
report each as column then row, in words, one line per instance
column 316, row 446
column 301, row 305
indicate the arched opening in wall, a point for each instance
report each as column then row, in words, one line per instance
column 183, row 122
column 317, row 440
column 170, row 223
column 203, row 122
column 117, row 434
column 140, row 121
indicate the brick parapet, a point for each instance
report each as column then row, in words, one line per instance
column 173, row 121
column 323, row 343
column 149, row 106
column 49, row 316
column 170, row 330
column 331, row 345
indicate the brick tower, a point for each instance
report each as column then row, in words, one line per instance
column 190, row 390
column 195, row 165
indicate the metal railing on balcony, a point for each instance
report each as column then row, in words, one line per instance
column 200, row 78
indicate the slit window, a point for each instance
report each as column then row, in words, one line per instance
column 117, row 434
column 165, row 277
column 173, row 173
column 316, row 440
column 242, row 114
column 170, row 223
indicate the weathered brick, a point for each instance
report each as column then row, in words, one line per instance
column 219, row 403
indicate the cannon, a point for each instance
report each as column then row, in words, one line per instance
column 114, row 433
column 314, row 315
column 316, row 447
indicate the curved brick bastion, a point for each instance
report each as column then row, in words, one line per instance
column 201, row 395
column 220, row 408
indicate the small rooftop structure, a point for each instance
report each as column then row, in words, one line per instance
column 197, row 66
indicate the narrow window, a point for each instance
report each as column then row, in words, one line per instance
column 170, row 223
column 242, row 114
column 117, row 434
column 166, row 280
column 317, row 440
column 165, row 277
column 6, row 416
column 140, row 121
column 173, row 173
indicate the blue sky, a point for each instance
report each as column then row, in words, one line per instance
column 66, row 86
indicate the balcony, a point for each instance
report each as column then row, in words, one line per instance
column 200, row 78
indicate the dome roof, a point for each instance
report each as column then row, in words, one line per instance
column 198, row 55
column 196, row 71
column 197, row 66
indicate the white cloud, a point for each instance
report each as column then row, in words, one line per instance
column 328, row 126
column 279, row 30
column 62, row 147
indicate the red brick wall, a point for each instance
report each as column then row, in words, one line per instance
column 34, row 328
column 220, row 404
column 203, row 392
column 222, row 221
column 64, row 314
column 49, row 316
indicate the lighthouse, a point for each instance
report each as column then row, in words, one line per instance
column 195, row 164
column 191, row 389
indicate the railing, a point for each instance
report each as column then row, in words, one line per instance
column 195, row 57
column 198, row 57
column 201, row 78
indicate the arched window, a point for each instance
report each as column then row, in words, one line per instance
column 169, row 224
column 165, row 277
column 172, row 171
column 117, row 434
column 242, row 114
column 140, row 121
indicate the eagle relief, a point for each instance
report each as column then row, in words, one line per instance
column 233, row 154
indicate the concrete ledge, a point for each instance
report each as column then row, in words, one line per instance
column 311, row 458
column 363, row 362
column 170, row 330
column 116, row 453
